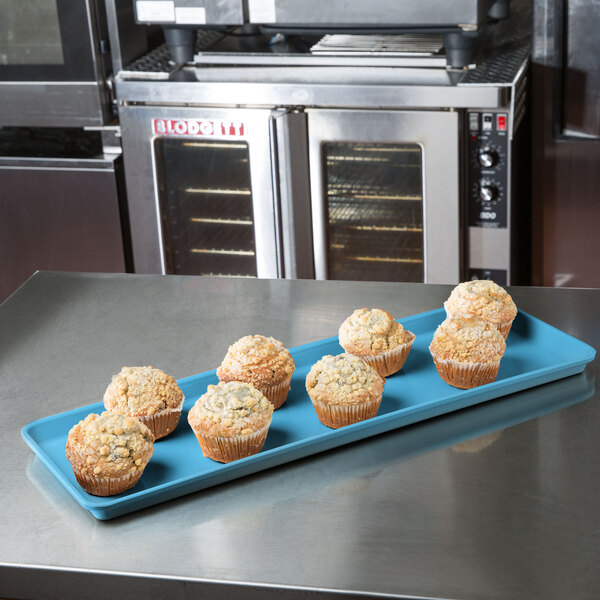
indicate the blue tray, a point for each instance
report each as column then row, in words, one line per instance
column 536, row 353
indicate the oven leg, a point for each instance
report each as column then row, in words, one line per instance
column 499, row 10
column 460, row 47
column 181, row 42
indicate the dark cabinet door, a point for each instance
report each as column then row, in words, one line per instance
column 58, row 219
column 565, row 143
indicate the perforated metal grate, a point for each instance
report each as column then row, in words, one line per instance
column 157, row 64
column 503, row 47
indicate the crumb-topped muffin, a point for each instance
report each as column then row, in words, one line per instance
column 109, row 452
column 374, row 335
column 344, row 389
column 231, row 421
column 147, row 393
column 484, row 299
column 467, row 352
column 261, row 361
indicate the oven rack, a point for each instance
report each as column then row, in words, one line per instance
column 372, row 215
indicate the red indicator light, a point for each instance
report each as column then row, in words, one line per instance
column 501, row 123
column 473, row 138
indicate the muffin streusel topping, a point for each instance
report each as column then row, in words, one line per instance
column 369, row 331
column 232, row 408
column 468, row 340
column 137, row 391
column 343, row 379
column 111, row 445
column 481, row 298
column 258, row 360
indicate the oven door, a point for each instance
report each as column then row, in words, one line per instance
column 52, row 65
column 385, row 195
column 200, row 191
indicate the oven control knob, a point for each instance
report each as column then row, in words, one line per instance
column 488, row 158
column 488, row 192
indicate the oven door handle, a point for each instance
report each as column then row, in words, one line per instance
column 289, row 148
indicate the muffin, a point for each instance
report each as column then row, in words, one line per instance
column 344, row 389
column 148, row 394
column 483, row 299
column 374, row 335
column 109, row 452
column 467, row 352
column 261, row 361
column 231, row 421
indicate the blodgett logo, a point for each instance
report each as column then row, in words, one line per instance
column 195, row 127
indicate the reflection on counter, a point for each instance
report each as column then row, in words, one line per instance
column 478, row 443
column 466, row 431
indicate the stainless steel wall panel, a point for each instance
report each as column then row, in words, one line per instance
column 63, row 217
column 52, row 104
column 489, row 249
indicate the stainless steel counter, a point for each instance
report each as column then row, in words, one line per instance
column 420, row 512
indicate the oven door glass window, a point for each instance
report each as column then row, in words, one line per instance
column 206, row 207
column 45, row 40
column 374, row 204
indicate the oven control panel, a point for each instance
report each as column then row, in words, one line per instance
column 487, row 169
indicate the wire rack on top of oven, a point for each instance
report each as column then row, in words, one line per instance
column 157, row 64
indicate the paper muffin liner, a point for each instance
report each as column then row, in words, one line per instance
column 390, row 362
column 503, row 327
column 226, row 449
column 465, row 375
column 106, row 486
column 276, row 393
column 163, row 422
column 340, row 415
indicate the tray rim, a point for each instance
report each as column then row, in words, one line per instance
column 108, row 507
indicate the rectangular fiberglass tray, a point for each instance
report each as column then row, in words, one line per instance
column 537, row 353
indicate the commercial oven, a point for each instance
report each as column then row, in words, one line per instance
column 250, row 161
column 381, row 201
